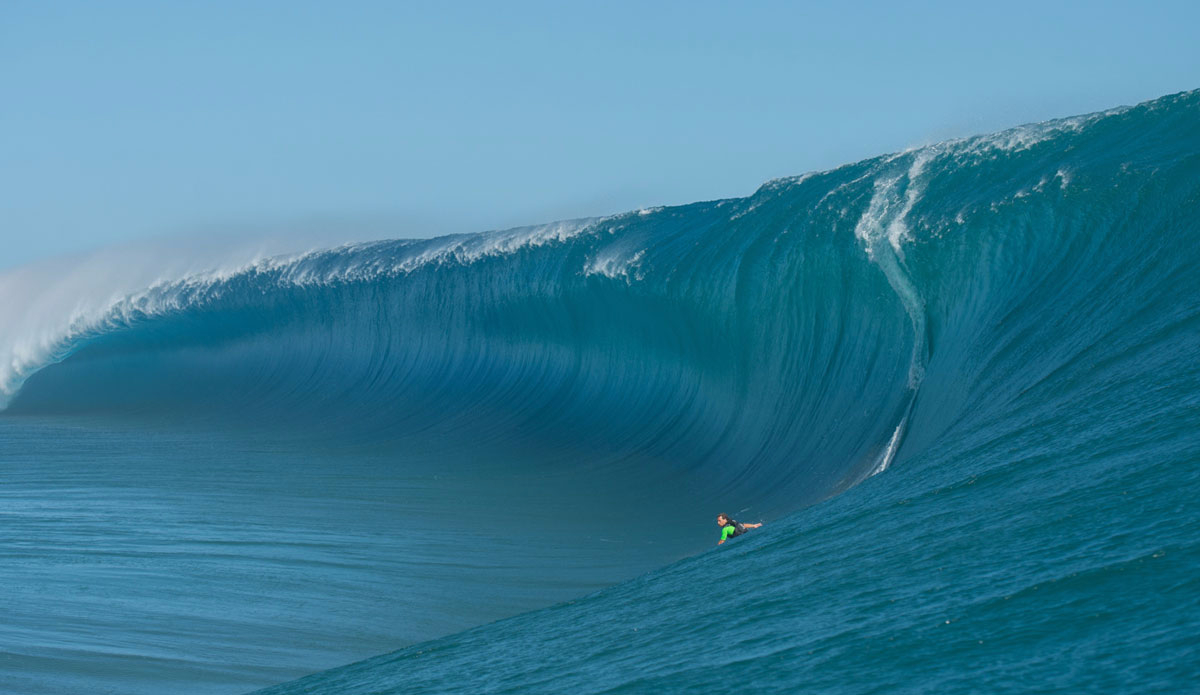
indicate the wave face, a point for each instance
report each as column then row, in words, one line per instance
column 784, row 335
column 1029, row 296
column 719, row 337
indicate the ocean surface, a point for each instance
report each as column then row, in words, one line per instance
column 960, row 385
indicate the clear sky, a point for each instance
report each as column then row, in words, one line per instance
column 129, row 120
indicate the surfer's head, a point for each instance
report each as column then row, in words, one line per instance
column 722, row 519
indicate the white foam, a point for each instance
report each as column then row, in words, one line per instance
column 616, row 265
column 1026, row 136
column 887, row 213
column 468, row 249
column 889, row 454
column 885, row 219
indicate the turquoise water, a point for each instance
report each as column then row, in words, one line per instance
column 142, row 559
column 959, row 384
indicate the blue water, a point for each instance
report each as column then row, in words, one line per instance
column 959, row 384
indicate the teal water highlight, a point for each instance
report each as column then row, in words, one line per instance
column 959, row 382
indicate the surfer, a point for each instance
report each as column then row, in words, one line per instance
column 731, row 528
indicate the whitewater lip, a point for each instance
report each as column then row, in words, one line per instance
column 79, row 307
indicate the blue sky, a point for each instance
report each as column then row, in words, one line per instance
column 122, row 121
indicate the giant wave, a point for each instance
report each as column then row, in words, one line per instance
column 782, row 347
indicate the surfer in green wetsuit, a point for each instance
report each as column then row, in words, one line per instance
column 731, row 528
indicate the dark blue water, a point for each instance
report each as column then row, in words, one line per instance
column 959, row 383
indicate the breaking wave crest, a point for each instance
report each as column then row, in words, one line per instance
column 792, row 342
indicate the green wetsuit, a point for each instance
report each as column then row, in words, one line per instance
column 727, row 531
